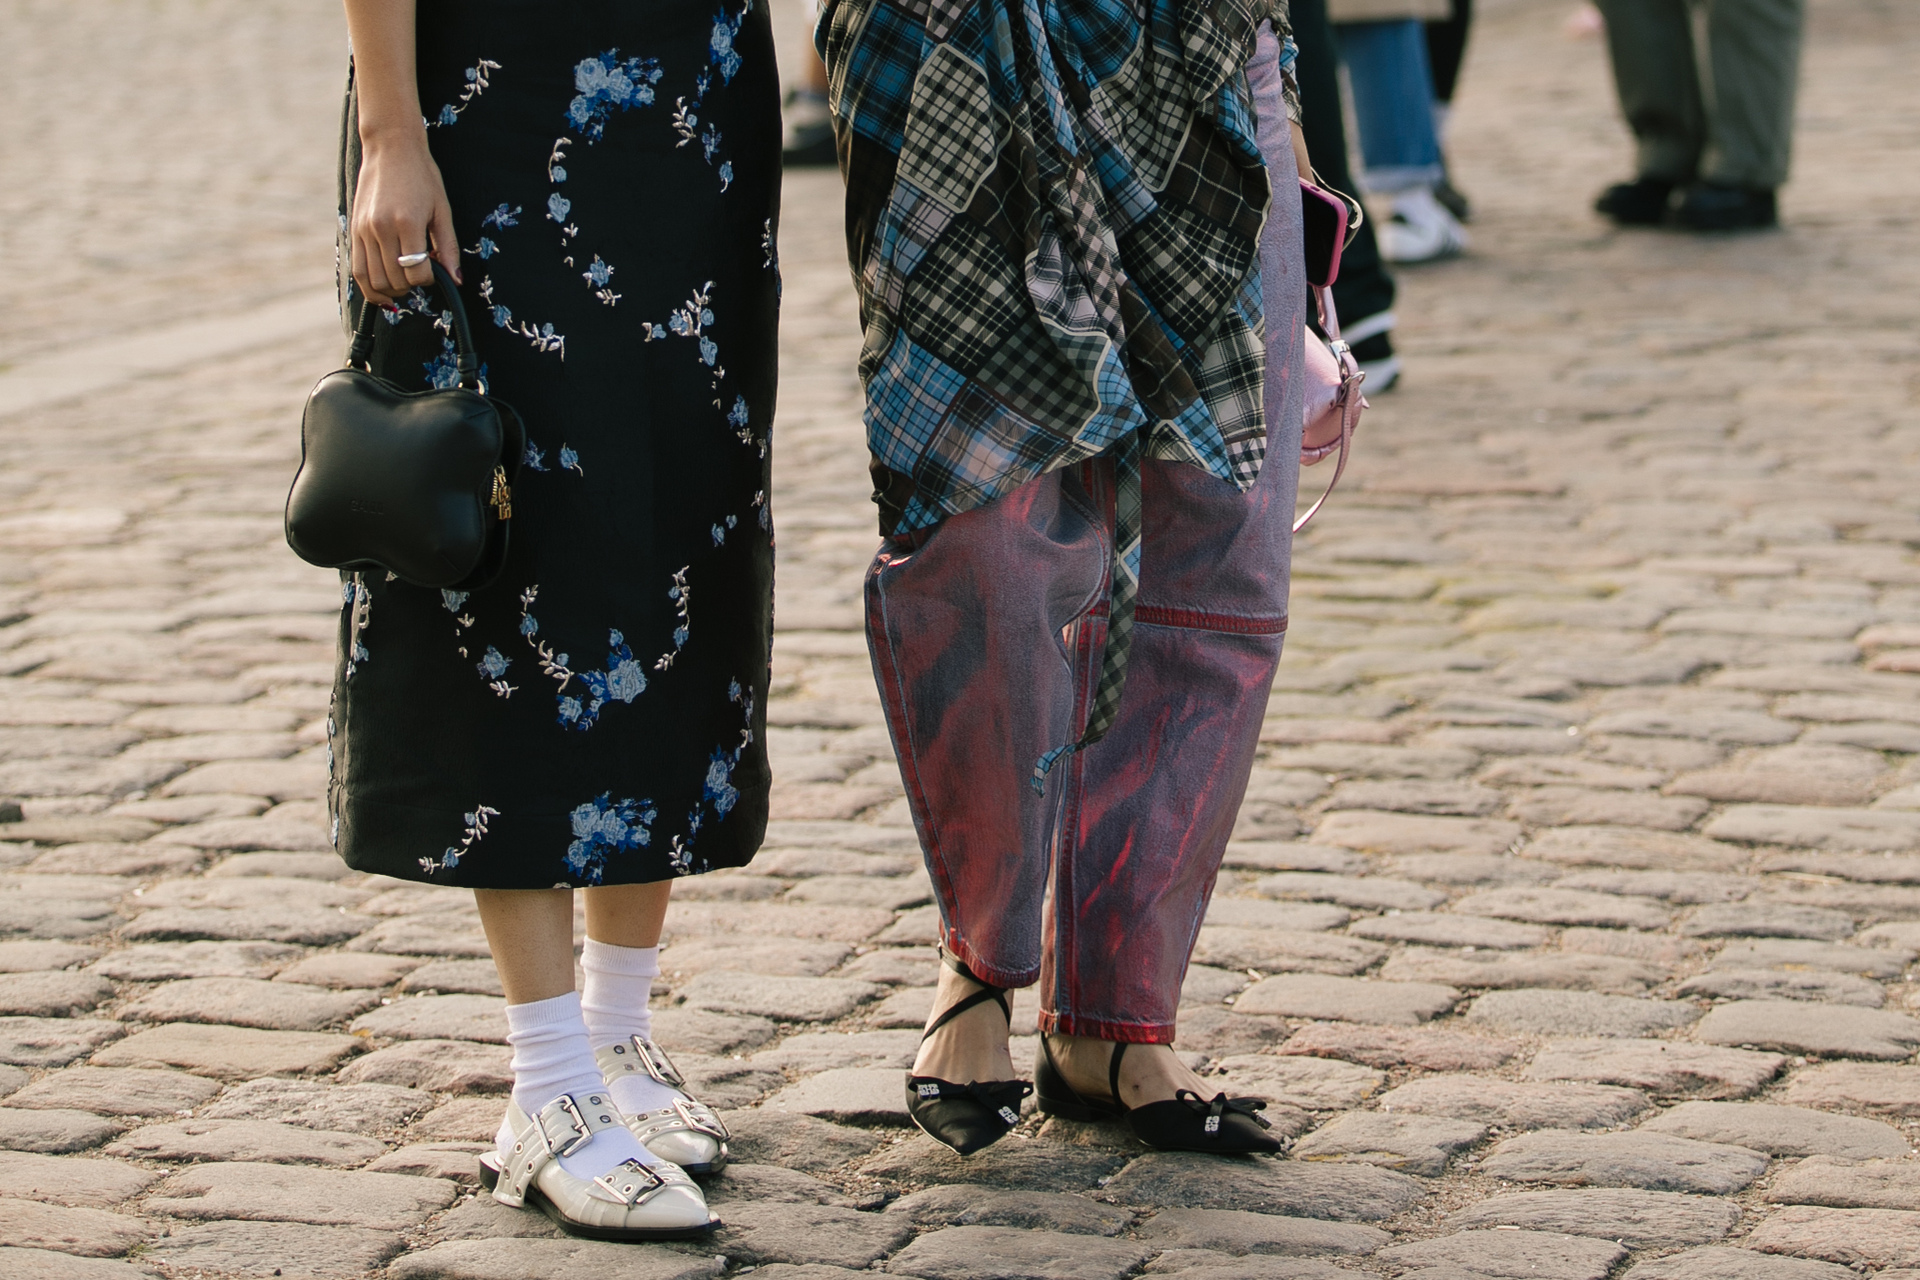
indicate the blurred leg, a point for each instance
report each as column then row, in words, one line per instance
column 1654, row 71
column 1364, row 290
column 1753, row 47
column 1392, row 103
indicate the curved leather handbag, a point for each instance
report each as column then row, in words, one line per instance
column 419, row 483
column 1332, row 405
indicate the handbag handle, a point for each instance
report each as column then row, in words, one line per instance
column 1350, row 399
column 466, row 358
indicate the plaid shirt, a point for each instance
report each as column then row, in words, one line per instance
column 1053, row 214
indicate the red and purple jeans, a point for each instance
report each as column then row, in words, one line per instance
column 986, row 633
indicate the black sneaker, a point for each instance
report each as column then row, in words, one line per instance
column 1640, row 203
column 1708, row 206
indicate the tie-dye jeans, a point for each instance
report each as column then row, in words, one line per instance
column 986, row 633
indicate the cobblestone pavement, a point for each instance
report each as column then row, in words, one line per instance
column 1572, row 914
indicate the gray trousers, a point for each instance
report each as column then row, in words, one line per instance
column 1725, row 118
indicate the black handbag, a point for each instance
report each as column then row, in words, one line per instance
column 418, row 483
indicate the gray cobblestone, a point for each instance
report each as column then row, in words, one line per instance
column 1600, row 718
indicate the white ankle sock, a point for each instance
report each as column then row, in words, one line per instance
column 614, row 1001
column 552, row 1056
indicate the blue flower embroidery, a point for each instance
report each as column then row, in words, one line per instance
column 737, row 416
column 599, row 272
column 605, row 83
column 709, row 351
column 720, row 791
column 570, row 460
column 485, row 249
column 443, row 370
column 493, row 664
column 502, row 217
column 720, row 50
column 533, row 459
column 452, row 599
column 623, row 680
column 558, row 206
column 602, row 827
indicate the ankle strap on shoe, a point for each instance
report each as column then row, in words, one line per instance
column 637, row 1055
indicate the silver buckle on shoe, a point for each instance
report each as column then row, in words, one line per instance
column 700, row 1117
column 576, row 1134
column 630, row 1182
column 658, row 1065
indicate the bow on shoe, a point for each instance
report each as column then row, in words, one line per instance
column 1221, row 1105
column 1001, row 1097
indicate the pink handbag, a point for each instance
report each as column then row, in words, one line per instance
column 1331, row 404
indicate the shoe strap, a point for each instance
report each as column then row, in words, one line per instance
column 1113, row 1073
column 682, row 1116
column 560, row 1128
column 966, row 1002
column 637, row 1055
column 630, row 1182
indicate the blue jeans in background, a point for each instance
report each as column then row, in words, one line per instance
column 1392, row 103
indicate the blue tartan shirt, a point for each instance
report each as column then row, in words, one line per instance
column 1053, row 215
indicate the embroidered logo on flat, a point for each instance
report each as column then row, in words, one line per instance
column 929, row 1090
column 1213, row 1124
column 1010, row 1115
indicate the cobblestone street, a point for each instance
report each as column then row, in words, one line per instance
column 1571, row 920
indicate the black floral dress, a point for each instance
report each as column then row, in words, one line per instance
column 595, row 715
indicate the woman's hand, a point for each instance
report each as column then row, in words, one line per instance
column 399, row 208
column 400, row 204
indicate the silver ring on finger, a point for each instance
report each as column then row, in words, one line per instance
column 412, row 259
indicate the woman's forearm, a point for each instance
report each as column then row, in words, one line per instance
column 381, row 33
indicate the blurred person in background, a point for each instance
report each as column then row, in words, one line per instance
column 1446, row 49
column 808, row 139
column 1714, row 126
column 1383, row 44
column 1364, row 292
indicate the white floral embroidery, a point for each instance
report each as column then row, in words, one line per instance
column 477, row 84
column 476, row 832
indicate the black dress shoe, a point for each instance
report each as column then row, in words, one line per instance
column 1708, row 206
column 1184, row 1122
column 966, row 1117
column 1640, row 203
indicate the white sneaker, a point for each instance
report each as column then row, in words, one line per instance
column 1419, row 229
column 632, row 1200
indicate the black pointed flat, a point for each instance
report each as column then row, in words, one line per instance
column 1184, row 1122
column 966, row 1117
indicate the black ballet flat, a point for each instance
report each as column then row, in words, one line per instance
column 1184, row 1122
column 966, row 1117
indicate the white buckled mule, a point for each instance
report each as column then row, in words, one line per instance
column 687, row 1132
column 630, row 1201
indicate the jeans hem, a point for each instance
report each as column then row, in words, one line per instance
column 1070, row 1024
column 989, row 974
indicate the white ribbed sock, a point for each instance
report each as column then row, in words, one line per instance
column 614, row 1001
column 552, row 1056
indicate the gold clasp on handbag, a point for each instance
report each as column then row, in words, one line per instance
column 502, row 500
